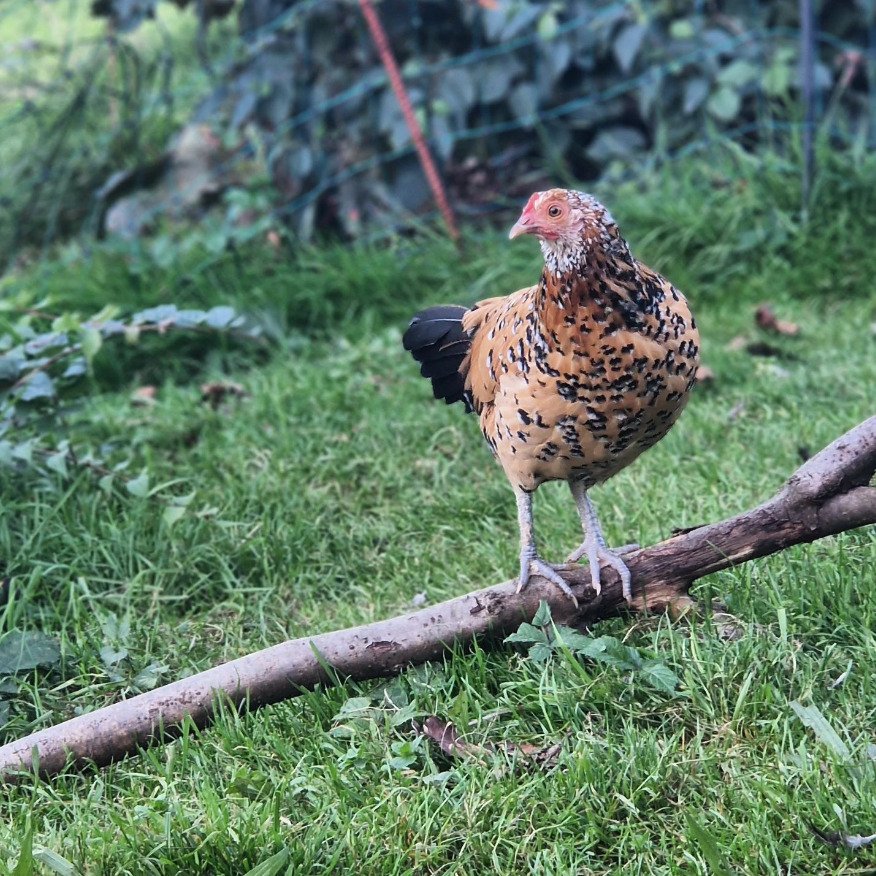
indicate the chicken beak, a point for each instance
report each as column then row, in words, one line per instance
column 521, row 226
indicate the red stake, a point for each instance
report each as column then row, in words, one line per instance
column 378, row 34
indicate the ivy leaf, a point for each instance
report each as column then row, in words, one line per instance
column 160, row 313
column 112, row 656
column 38, row 386
column 6, row 454
column 695, row 92
column 76, row 368
column 148, row 677
column 354, row 706
column 547, row 25
column 172, row 514
column 627, row 45
column 682, row 29
column 139, row 486
column 724, row 103
column 220, row 317
column 776, row 80
column 23, row 452
column 738, row 73
column 524, row 103
column 57, row 462
column 22, row 651
column 91, row 343
column 8, row 687
column 10, row 368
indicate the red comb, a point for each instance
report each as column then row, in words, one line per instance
column 531, row 202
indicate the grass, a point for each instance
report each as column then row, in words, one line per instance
column 338, row 490
column 76, row 107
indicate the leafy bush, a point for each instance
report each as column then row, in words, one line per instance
column 299, row 99
column 45, row 360
column 590, row 86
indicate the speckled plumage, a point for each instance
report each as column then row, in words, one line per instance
column 576, row 376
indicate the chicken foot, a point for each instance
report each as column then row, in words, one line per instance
column 530, row 561
column 595, row 547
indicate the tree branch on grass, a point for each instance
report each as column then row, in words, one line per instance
column 830, row 493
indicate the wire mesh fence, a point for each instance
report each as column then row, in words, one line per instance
column 298, row 107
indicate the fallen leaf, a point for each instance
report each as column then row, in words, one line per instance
column 778, row 372
column 419, row 599
column 840, row 680
column 728, row 627
column 836, row 838
column 761, row 348
column 143, row 396
column 447, row 738
column 705, row 374
column 737, row 343
column 445, row 735
column 766, row 318
column 736, row 412
column 217, row 391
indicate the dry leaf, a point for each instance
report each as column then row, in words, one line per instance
column 835, row 838
column 143, row 396
column 728, row 626
column 737, row 343
column 736, row 412
column 766, row 318
column 447, row 738
column 705, row 374
column 216, row 392
column 761, row 348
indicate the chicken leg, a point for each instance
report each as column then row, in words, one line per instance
column 530, row 561
column 594, row 545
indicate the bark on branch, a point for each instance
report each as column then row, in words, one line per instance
column 831, row 493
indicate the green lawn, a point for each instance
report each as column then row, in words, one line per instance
column 338, row 490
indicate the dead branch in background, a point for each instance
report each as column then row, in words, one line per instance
column 830, row 493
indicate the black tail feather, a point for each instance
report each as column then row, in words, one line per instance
column 436, row 339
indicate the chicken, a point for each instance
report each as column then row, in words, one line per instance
column 572, row 378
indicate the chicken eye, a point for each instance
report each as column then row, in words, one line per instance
column 554, row 211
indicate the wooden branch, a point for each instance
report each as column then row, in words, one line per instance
column 829, row 494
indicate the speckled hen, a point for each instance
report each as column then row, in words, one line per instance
column 572, row 378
